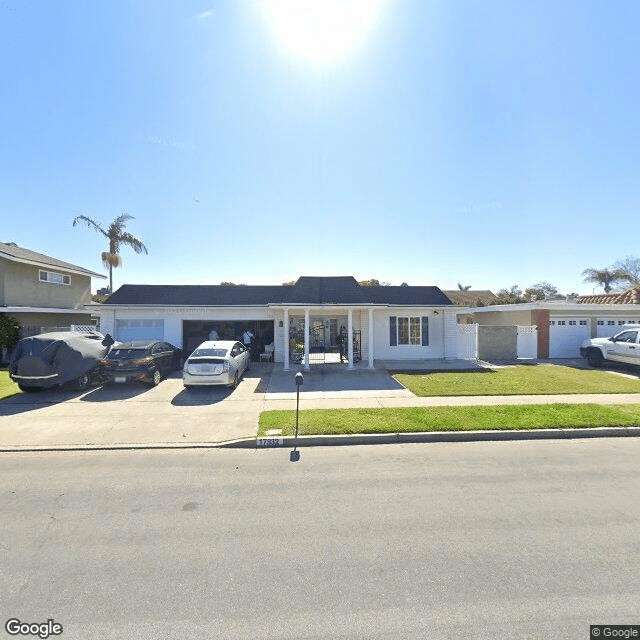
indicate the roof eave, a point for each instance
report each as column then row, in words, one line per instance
column 39, row 263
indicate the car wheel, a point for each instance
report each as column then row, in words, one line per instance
column 156, row 376
column 236, row 379
column 83, row 381
column 595, row 358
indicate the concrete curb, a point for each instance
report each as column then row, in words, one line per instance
column 434, row 436
column 345, row 440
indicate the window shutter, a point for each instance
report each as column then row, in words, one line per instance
column 425, row 331
column 393, row 334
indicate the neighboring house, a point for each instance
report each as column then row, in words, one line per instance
column 561, row 326
column 364, row 323
column 470, row 298
column 41, row 292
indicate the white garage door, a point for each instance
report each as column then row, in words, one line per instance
column 610, row 326
column 129, row 330
column 566, row 335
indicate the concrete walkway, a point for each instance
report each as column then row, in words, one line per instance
column 167, row 415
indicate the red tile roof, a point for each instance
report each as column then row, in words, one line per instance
column 630, row 296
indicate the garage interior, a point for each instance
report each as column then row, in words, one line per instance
column 194, row 332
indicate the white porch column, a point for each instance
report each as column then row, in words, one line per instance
column 350, row 338
column 370, row 338
column 306, row 339
column 286, row 339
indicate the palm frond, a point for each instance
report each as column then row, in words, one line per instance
column 92, row 224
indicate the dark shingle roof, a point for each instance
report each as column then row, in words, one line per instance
column 307, row 290
column 13, row 251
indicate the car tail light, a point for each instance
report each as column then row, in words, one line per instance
column 106, row 362
column 142, row 361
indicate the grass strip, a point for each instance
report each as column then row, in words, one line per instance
column 420, row 419
column 8, row 387
column 517, row 380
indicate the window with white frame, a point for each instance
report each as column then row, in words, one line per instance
column 408, row 330
column 55, row 278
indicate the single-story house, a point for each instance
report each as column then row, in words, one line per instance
column 344, row 321
column 561, row 325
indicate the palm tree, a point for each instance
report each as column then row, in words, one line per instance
column 117, row 236
column 603, row 277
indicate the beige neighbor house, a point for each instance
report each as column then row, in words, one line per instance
column 560, row 326
column 43, row 293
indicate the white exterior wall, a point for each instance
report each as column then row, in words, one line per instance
column 450, row 334
column 384, row 351
column 174, row 316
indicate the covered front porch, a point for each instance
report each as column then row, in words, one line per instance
column 328, row 334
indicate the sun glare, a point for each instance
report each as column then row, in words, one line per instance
column 322, row 30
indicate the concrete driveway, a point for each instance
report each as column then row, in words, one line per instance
column 139, row 416
column 167, row 414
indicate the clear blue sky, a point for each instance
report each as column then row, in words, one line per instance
column 425, row 141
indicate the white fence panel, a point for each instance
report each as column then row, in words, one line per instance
column 467, row 341
column 527, row 342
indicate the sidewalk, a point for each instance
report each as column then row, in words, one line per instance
column 167, row 416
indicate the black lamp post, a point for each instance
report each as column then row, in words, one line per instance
column 294, row 455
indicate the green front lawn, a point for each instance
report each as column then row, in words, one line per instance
column 518, row 380
column 7, row 386
column 503, row 417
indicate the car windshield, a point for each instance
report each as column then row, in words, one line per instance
column 207, row 353
column 123, row 354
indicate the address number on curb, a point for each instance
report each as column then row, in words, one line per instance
column 270, row 442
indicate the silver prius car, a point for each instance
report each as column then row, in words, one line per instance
column 216, row 362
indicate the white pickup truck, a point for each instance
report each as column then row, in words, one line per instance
column 623, row 347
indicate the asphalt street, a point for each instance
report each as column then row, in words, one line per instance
column 459, row 540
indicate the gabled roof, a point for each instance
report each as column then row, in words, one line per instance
column 471, row 297
column 630, row 296
column 310, row 290
column 11, row 251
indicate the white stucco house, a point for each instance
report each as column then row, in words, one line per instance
column 363, row 324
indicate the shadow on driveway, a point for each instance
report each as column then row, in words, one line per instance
column 23, row 402
column 201, row 397
column 114, row 392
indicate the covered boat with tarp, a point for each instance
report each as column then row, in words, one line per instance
column 52, row 359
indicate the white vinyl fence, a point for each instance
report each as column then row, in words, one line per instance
column 467, row 342
column 527, row 342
